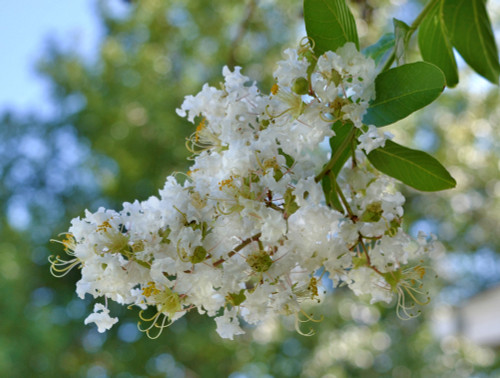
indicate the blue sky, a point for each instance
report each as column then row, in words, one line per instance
column 25, row 26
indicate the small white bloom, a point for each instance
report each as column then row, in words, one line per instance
column 366, row 281
column 228, row 324
column 101, row 318
column 373, row 138
column 291, row 68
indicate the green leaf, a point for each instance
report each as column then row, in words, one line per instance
column 415, row 168
column 199, row 255
column 330, row 24
column 290, row 203
column 401, row 34
column 329, row 185
column 470, row 31
column 435, row 45
column 341, row 146
column 378, row 50
column 236, row 299
column 290, row 161
column 402, row 90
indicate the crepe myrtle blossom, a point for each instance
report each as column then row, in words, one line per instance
column 101, row 318
column 249, row 234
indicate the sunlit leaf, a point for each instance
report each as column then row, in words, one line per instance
column 330, row 24
column 341, row 146
column 415, row 168
column 470, row 30
column 402, row 90
column 329, row 185
column 378, row 50
column 435, row 45
column 401, row 34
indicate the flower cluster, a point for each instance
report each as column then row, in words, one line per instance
column 249, row 234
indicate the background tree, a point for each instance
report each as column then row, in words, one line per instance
column 117, row 136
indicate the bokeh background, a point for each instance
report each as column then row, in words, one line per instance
column 87, row 118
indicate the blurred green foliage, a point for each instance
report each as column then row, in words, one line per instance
column 115, row 137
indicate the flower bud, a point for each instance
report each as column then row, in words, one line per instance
column 300, row 86
column 260, row 261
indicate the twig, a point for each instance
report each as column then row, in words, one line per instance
column 231, row 60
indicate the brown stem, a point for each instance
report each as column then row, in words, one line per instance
column 365, row 250
column 243, row 244
column 353, row 216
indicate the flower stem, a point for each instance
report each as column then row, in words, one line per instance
column 238, row 248
column 365, row 250
column 345, row 203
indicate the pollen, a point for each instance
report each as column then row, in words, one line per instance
column 226, row 183
column 420, row 270
column 271, row 163
column 313, row 287
column 103, row 227
column 69, row 243
column 150, row 290
column 274, row 89
column 199, row 129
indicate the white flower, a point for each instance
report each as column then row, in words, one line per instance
column 250, row 228
column 228, row 325
column 366, row 281
column 101, row 318
column 290, row 69
column 373, row 138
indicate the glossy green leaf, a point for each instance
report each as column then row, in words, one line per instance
column 402, row 90
column 341, row 146
column 470, row 31
column 329, row 185
column 330, row 24
column 415, row 168
column 401, row 34
column 435, row 45
column 378, row 50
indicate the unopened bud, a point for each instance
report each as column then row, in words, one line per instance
column 300, row 86
column 336, row 78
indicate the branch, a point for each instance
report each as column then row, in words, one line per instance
column 238, row 248
column 231, row 60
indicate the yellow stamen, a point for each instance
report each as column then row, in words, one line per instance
column 199, row 128
column 150, row 290
column 309, row 318
column 154, row 323
column 226, row 183
column 104, row 226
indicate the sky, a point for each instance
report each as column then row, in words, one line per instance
column 25, row 27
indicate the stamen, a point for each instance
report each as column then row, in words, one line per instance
column 199, row 129
column 59, row 268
